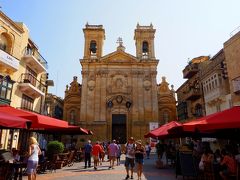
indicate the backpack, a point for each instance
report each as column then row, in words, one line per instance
column 134, row 147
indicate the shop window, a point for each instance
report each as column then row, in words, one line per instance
column 6, row 85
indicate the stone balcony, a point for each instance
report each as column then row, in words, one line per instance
column 190, row 70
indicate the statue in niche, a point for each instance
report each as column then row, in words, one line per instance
column 119, row 83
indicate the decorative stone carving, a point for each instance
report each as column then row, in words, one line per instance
column 91, row 85
column 147, row 85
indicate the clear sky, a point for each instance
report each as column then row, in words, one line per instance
column 184, row 29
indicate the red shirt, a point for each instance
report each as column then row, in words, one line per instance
column 230, row 163
column 96, row 150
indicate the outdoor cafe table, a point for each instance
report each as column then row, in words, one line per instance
column 16, row 169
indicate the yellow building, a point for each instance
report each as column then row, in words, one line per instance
column 119, row 96
column 22, row 73
column 190, row 95
column 232, row 54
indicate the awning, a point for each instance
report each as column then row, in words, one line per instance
column 13, row 122
column 70, row 130
column 162, row 131
column 38, row 121
column 227, row 119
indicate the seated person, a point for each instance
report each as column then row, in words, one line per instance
column 228, row 165
column 207, row 157
column 16, row 155
column 217, row 156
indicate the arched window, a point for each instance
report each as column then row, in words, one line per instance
column 4, row 45
column 198, row 110
column 165, row 117
column 93, row 47
column 72, row 117
column 145, row 49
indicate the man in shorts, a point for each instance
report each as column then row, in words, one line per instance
column 96, row 150
column 112, row 152
column 130, row 156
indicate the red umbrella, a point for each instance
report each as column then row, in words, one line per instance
column 226, row 119
column 70, row 130
column 162, row 131
column 10, row 121
column 38, row 121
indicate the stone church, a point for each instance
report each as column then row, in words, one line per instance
column 119, row 96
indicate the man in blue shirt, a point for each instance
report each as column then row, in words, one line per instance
column 88, row 153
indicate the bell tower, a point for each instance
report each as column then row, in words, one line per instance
column 144, row 41
column 94, row 36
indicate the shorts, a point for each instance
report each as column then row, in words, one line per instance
column 95, row 158
column 112, row 158
column 32, row 166
column 139, row 160
column 129, row 161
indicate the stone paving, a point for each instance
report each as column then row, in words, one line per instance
column 77, row 172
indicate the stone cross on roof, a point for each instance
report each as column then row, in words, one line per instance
column 119, row 41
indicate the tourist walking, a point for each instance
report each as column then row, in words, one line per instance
column 112, row 152
column 96, row 150
column 119, row 153
column 33, row 152
column 148, row 149
column 130, row 156
column 139, row 155
column 87, row 154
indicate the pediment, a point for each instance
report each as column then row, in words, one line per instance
column 119, row 57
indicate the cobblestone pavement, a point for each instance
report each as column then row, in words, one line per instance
column 77, row 172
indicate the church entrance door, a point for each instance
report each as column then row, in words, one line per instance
column 119, row 127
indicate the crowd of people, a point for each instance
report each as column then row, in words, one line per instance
column 134, row 151
column 222, row 159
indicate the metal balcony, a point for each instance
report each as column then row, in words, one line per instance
column 29, row 85
column 35, row 60
column 190, row 70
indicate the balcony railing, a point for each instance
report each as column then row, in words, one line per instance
column 193, row 94
column 30, row 86
column 29, row 78
column 190, row 70
column 40, row 62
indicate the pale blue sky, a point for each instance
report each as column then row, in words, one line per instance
column 184, row 29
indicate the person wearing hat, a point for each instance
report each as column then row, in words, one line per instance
column 139, row 156
column 130, row 156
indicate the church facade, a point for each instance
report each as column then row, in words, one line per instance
column 119, row 96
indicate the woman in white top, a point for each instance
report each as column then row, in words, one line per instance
column 33, row 153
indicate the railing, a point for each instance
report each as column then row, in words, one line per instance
column 190, row 70
column 37, row 55
column 29, row 78
column 193, row 93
